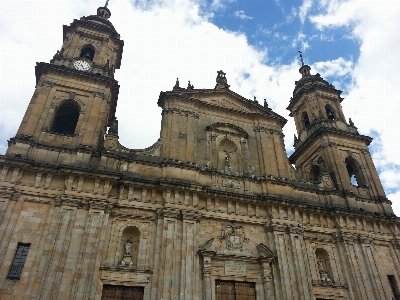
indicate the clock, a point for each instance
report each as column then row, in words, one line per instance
column 82, row 65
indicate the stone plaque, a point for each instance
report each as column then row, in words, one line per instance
column 235, row 268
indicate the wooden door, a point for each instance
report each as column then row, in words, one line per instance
column 119, row 292
column 235, row 290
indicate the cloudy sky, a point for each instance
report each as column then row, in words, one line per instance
column 354, row 44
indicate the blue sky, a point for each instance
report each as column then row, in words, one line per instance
column 354, row 44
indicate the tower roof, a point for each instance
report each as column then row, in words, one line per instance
column 310, row 82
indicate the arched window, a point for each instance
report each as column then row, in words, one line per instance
column 355, row 173
column 66, row 118
column 330, row 112
column 305, row 119
column 129, row 246
column 87, row 52
column 314, row 172
column 324, row 265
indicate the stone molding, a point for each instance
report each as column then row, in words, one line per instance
column 181, row 112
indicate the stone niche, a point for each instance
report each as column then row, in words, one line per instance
column 228, row 148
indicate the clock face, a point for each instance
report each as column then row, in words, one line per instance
column 81, row 65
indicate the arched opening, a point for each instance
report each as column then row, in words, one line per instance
column 87, row 52
column 355, row 174
column 314, row 172
column 324, row 265
column 66, row 118
column 228, row 155
column 129, row 246
column 305, row 119
column 330, row 112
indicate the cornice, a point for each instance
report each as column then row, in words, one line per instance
column 321, row 130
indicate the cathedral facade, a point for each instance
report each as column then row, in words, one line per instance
column 213, row 210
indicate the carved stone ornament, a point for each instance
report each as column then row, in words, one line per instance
column 222, row 83
column 231, row 184
column 234, row 236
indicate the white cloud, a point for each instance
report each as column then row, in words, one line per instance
column 241, row 15
column 300, row 42
column 395, row 198
column 337, row 67
column 303, row 10
column 220, row 4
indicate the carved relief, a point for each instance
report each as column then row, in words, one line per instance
column 235, row 237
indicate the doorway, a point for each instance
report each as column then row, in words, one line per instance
column 235, row 290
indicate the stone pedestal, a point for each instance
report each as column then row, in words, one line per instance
column 127, row 261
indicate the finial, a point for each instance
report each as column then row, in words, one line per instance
column 222, row 83
column 301, row 58
column 103, row 12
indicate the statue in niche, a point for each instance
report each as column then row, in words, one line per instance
column 128, row 246
column 227, row 160
column 319, row 263
column 324, row 274
column 127, row 259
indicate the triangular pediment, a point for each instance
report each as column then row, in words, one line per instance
column 232, row 101
column 228, row 103
column 223, row 99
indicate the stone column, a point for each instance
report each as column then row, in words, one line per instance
column 206, row 271
column 55, row 261
column 346, row 254
column 188, row 265
column 9, row 219
column 302, row 268
column 373, row 271
column 266, row 276
column 285, row 265
column 344, row 264
column 394, row 247
column 168, row 262
column 88, row 253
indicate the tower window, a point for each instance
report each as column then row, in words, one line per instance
column 19, row 261
column 393, row 286
column 87, row 53
column 306, row 120
column 314, row 172
column 66, row 118
column 355, row 174
column 329, row 113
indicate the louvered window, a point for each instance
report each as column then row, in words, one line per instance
column 19, row 261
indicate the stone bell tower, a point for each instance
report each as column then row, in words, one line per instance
column 327, row 143
column 76, row 94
